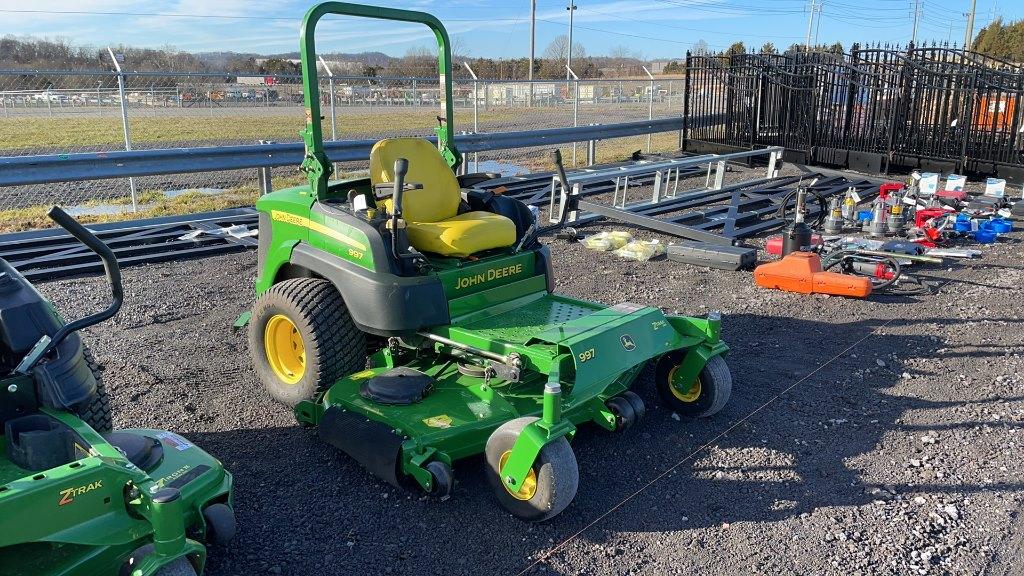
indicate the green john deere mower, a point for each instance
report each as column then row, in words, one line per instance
column 412, row 319
column 76, row 498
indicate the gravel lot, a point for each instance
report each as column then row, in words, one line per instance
column 864, row 437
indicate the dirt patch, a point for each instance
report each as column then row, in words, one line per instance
column 896, row 452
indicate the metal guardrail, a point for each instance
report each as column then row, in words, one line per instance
column 22, row 170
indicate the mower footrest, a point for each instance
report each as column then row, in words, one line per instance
column 37, row 442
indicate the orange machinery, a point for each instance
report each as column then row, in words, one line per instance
column 995, row 111
column 801, row 272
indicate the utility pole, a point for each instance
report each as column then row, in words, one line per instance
column 817, row 25
column 533, row 44
column 917, row 17
column 568, row 58
column 810, row 26
column 969, row 33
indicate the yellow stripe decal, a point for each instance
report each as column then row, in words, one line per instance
column 289, row 218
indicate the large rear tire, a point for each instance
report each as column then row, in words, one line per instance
column 96, row 411
column 302, row 339
column 553, row 480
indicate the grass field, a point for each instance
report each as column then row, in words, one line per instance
column 34, row 217
column 44, row 135
column 68, row 133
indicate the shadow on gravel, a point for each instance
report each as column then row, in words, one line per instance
column 303, row 507
column 797, row 454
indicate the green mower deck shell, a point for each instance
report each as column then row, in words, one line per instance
column 84, row 517
column 552, row 357
column 597, row 352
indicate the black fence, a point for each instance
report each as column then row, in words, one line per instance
column 875, row 109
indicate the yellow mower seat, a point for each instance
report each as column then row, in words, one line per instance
column 432, row 213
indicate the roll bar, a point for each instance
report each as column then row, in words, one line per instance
column 316, row 165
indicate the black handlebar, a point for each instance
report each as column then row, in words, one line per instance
column 401, row 169
column 110, row 267
column 399, row 248
column 556, row 158
column 535, row 229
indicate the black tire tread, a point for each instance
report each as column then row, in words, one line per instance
column 180, row 567
column 220, row 524
column 639, row 408
column 335, row 340
column 97, row 412
column 557, row 455
column 717, row 371
column 625, row 416
column 716, row 381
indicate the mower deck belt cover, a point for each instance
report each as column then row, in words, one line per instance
column 801, row 272
column 713, row 256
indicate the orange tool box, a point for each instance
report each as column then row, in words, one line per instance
column 801, row 272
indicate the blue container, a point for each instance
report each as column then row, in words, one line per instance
column 985, row 236
column 864, row 216
column 962, row 224
column 1001, row 225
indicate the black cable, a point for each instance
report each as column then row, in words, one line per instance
column 845, row 259
column 822, row 206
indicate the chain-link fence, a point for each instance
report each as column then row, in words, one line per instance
column 60, row 112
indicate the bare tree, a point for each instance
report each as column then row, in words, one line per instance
column 701, row 48
column 556, row 53
column 460, row 50
column 624, row 59
column 418, row 61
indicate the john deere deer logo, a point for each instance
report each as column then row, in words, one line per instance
column 627, row 342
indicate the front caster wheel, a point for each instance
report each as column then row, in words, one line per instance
column 625, row 412
column 441, row 480
column 220, row 524
column 551, row 484
column 639, row 409
column 700, row 398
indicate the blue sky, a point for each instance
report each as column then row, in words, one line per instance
column 494, row 28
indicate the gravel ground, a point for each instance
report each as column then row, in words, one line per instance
column 864, row 437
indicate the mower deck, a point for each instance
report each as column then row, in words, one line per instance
column 459, row 413
column 594, row 352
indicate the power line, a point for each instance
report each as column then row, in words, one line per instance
column 158, row 14
column 701, row 30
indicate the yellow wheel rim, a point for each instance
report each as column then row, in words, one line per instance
column 529, row 487
column 690, row 395
column 286, row 353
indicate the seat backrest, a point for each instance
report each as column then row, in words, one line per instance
column 440, row 196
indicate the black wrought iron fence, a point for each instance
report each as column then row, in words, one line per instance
column 878, row 108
